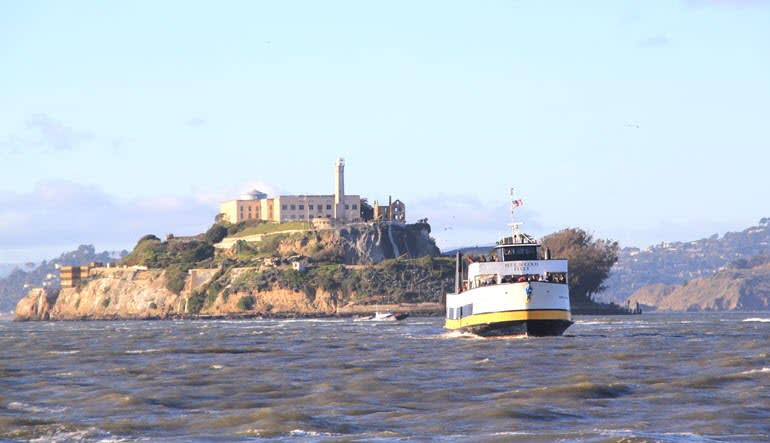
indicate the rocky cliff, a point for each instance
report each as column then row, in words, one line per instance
column 125, row 293
column 732, row 289
column 252, row 277
column 353, row 244
column 131, row 293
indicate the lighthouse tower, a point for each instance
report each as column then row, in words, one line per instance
column 339, row 190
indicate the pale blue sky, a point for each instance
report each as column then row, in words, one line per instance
column 638, row 121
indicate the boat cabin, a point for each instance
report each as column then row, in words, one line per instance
column 515, row 259
column 516, row 248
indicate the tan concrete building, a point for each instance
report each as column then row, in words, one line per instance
column 256, row 205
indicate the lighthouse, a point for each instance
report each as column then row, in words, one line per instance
column 339, row 189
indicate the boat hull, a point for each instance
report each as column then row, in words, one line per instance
column 530, row 323
column 533, row 309
column 530, row 328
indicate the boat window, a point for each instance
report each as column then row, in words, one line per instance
column 466, row 310
column 556, row 277
column 518, row 253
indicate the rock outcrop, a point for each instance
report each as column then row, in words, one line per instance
column 353, row 244
column 116, row 293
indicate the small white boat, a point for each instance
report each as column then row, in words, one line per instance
column 383, row 316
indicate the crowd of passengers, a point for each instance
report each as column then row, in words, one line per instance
column 555, row 277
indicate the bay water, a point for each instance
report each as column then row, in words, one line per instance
column 696, row 377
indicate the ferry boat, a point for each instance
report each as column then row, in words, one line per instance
column 519, row 290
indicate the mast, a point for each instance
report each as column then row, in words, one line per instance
column 517, row 236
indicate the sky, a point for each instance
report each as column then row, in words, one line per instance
column 637, row 121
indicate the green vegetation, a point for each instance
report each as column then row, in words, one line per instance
column 267, row 228
column 590, row 261
column 367, row 211
column 175, row 278
column 106, row 302
column 195, row 302
column 215, row 234
column 246, row 302
column 392, row 281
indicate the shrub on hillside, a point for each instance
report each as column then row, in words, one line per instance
column 175, row 278
column 215, row 234
column 195, row 302
column 246, row 302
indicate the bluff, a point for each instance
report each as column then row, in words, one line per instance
column 133, row 293
column 746, row 289
column 15, row 285
column 313, row 272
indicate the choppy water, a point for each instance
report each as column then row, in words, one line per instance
column 657, row 377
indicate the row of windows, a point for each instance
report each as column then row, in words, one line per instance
column 458, row 313
column 311, row 207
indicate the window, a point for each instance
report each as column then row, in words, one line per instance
column 347, row 206
column 301, row 207
column 328, row 207
column 283, row 207
column 355, row 206
column 320, row 208
column 292, row 207
column 310, row 207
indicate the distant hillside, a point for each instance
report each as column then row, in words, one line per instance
column 12, row 287
column 6, row 268
column 744, row 286
column 678, row 262
column 473, row 250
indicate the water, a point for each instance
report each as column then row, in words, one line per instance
column 655, row 377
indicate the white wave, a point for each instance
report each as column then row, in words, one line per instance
column 143, row 351
column 655, row 436
column 217, row 367
column 590, row 322
column 511, row 433
column 90, row 434
column 459, row 334
column 303, row 433
column 755, row 371
column 757, row 319
column 63, row 352
column 26, row 407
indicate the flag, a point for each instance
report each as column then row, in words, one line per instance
column 516, row 203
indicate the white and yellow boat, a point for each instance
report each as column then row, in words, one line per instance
column 517, row 291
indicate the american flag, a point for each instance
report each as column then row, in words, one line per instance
column 516, row 203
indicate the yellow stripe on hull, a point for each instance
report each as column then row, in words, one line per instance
column 509, row 316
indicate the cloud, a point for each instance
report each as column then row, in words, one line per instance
column 196, row 122
column 655, row 41
column 58, row 215
column 56, row 135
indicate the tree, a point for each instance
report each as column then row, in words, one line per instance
column 590, row 260
column 367, row 211
column 216, row 233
